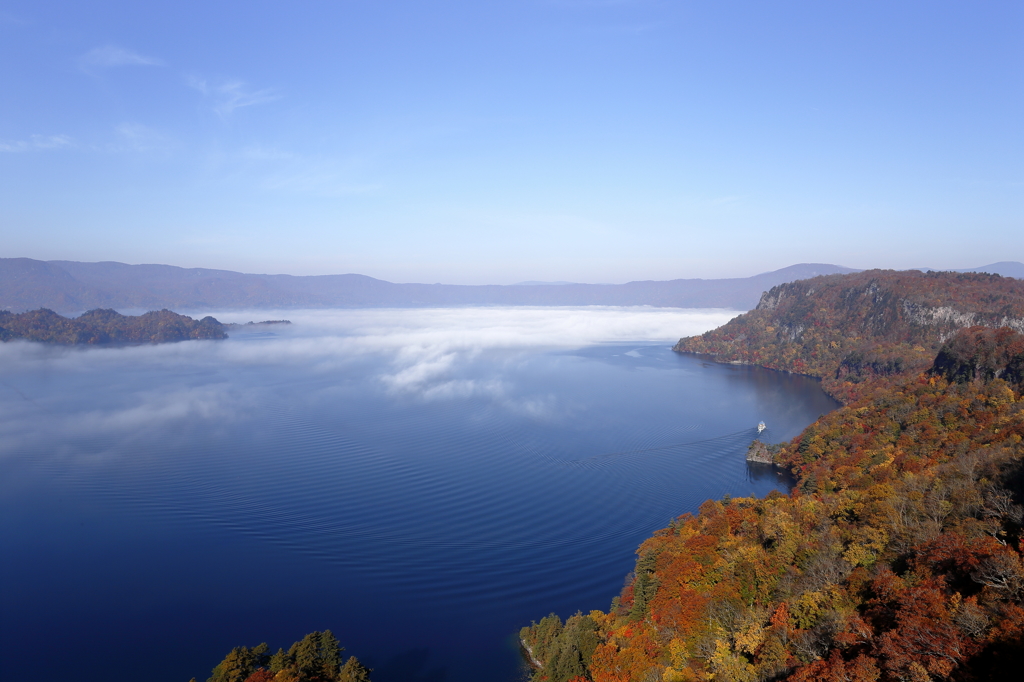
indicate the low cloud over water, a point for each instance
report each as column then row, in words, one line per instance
column 425, row 354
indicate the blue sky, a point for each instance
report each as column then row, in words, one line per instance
column 493, row 142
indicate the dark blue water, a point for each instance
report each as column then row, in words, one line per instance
column 161, row 506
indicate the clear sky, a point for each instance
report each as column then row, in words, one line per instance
column 493, row 142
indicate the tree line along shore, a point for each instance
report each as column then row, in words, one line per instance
column 897, row 554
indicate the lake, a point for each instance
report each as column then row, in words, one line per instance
column 421, row 482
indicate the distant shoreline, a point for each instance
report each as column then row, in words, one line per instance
column 106, row 327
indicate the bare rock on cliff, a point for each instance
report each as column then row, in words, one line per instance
column 760, row 452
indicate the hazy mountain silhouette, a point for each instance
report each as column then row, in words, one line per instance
column 1006, row 268
column 70, row 287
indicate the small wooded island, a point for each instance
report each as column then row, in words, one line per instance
column 103, row 326
column 897, row 555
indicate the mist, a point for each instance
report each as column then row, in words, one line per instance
column 419, row 354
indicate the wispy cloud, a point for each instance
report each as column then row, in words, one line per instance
column 110, row 56
column 231, row 95
column 155, row 408
column 37, row 142
column 139, row 138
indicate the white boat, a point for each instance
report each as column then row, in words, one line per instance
column 761, row 427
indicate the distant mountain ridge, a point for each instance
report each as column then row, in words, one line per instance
column 1006, row 268
column 70, row 287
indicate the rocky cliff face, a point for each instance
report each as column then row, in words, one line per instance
column 847, row 328
column 980, row 354
column 761, row 453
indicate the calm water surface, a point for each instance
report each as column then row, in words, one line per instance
column 423, row 490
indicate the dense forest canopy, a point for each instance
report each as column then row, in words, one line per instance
column 106, row 326
column 317, row 657
column 897, row 556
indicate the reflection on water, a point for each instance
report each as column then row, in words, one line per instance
column 167, row 504
column 771, row 474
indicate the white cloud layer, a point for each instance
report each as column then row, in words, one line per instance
column 497, row 327
column 422, row 353
column 421, row 344
column 426, row 344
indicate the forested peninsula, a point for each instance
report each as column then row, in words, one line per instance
column 897, row 555
column 106, row 326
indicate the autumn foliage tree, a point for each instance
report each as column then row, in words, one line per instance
column 317, row 657
column 897, row 554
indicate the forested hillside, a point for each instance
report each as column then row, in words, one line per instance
column 106, row 326
column 897, row 556
column 846, row 329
